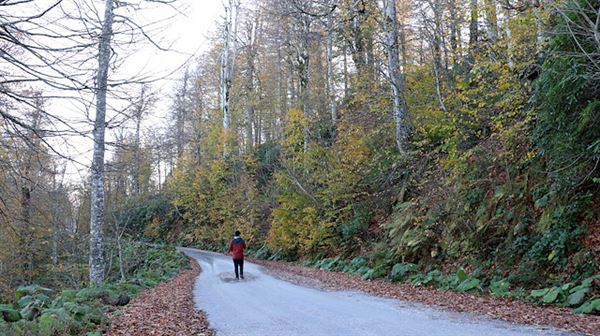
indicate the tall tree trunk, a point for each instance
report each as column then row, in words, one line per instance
column 473, row 25
column 250, row 93
column 491, row 19
column 281, row 87
column 302, row 62
column 330, row 85
column 303, row 59
column 508, row 33
column 137, row 157
column 439, row 70
column 27, row 186
column 96, row 261
column 346, row 86
column 291, row 81
column 539, row 25
column 181, row 116
column 396, row 76
column 226, row 73
column 198, row 115
column 57, row 215
column 26, row 234
column 360, row 36
column 454, row 33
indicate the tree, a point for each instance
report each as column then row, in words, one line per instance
column 97, row 179
column 251, row 49
column 228, row 58
column 395, row 74
column 331, row 29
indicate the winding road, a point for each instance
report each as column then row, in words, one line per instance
column 262, row 305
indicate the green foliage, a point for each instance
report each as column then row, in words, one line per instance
column 466, row 282
column 151, row 217
column 431, row 278
column 31, row 291
column 55, row 322
column 592, row 305
column 358, row 224
column 402, row 270
column 356, row 264
column 73, row 312
column 9, row 314
column 327, row 264
column 261, row 253
column 570, row 295
column 500, row 288
column 411, row 231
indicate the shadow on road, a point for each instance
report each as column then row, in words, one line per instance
column 230, row 277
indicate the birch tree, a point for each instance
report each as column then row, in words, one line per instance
column 252, row 31
column 395, row 74
column 141, row 107
column 228, row 57
column 330, row 80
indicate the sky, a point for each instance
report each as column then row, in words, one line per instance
column 186, row 35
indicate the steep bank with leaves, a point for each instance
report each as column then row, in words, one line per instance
column 501, row 182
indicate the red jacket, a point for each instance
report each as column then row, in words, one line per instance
column 236, row 247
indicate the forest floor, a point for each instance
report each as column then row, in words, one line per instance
column 496, row 308
column 167, row 309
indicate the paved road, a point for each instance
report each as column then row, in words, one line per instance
column 262, row 305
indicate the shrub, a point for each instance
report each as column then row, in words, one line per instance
column 500, row 288
column 569, row 295
column 402, row 270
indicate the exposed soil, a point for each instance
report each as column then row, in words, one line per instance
column 497, row 308
column 167, row 309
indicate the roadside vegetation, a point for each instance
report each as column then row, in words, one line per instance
column 39, row 311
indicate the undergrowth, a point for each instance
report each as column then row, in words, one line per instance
column 40, row 311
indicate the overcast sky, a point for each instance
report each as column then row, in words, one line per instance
column 186, row 35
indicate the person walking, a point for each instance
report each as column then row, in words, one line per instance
column 236, row 247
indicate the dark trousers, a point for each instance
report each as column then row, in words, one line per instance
column 238, row 263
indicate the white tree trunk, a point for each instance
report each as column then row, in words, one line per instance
column 225, row 80
column 508, row 32
column 346, row 86
column 137, row 155
column 539, row 23
column 330, row 85
column 96, row 261
column 250, row 92
column 395, row 73
column 227, row 65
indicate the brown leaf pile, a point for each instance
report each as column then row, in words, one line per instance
column 167, row 309
column 497, row 308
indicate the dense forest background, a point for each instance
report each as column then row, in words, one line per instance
column 499, row 171
column 435, row 133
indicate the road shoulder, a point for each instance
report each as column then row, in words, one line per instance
column 167, row 309
column 495, row 308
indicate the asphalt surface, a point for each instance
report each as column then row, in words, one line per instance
column 262, row 305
